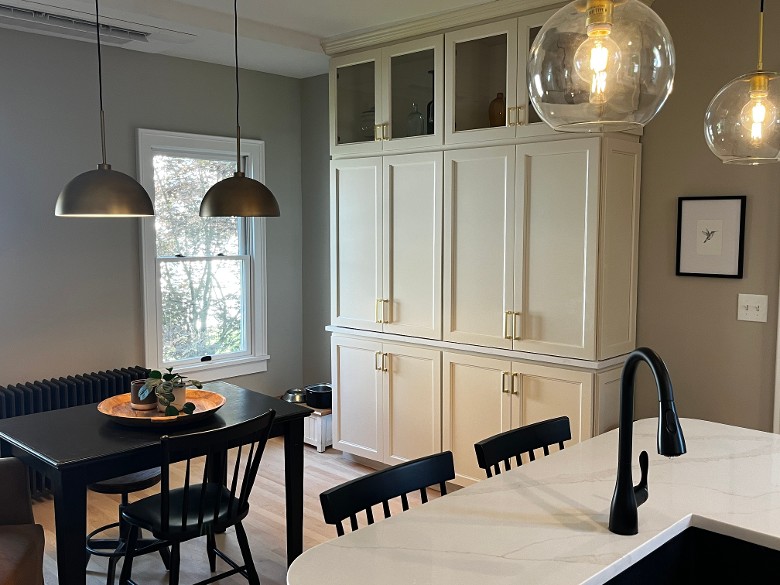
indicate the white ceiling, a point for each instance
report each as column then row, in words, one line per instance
column 276, row 36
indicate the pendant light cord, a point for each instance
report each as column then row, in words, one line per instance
column 235, row 45
column 761, row 38
column 100, row 83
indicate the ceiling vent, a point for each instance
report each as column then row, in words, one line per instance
column 66, row 26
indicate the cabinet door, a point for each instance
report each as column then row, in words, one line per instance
column 557, row 247
column 481, row 63
column 356, row 99
column 546, row 392
column 357, row 397
column 479, row 202
column 413, row 86
column 356, row 242
column 476, row 404
column 528, row 122
column 618, row 246
column 412, row 402
column 412, row 244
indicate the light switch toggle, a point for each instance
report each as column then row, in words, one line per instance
column 752, row 308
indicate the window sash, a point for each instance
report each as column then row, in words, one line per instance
column 246, row 304
column 251, row 239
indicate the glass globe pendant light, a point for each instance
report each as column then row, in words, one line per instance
column 103, row 192
column 239, row 195
column 601, row 66
column 742, row 123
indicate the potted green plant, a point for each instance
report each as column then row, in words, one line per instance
column 171, row 390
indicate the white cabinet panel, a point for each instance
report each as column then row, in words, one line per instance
column 412, row 243
column 474, row 407
column 386, row 244
column 412, row 395
column 484, row 396
column 386, row 399
column 478, row 263
column 357, row 397
column 555, row 282
column 356, row 242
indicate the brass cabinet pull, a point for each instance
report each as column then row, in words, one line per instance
column 520, row 115
column 384, row 362
column 507, row 334
column 377, row 135
column 515, row 377
column 377, row 363
column 385, row 131
column 386, row 318
column 509, row 121
column 517, row 330
column 504, row 386
column 377, row 309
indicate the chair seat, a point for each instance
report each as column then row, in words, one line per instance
column 125, row 484
column 21, row 554
column 145, row 513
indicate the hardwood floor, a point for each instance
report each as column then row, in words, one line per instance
column 265, row 524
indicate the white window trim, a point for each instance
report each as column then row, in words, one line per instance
column 253, row 152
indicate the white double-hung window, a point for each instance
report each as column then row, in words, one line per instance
column 203, row 278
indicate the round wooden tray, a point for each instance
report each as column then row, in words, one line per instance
column 119, row 410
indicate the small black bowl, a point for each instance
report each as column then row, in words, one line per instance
column 319, row 395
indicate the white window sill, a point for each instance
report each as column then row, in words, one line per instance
column 210, row 371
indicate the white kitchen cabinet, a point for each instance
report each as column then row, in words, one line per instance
column 386, row 243
column 540, row 246
column 386, row 399
column 483, row 61
column 378, row 94
column 484, row 396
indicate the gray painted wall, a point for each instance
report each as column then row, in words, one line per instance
column 70, row 297
column 315, row 181
column 722, row 369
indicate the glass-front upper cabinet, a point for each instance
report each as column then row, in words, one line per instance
column 388, row 99
column 485, row 83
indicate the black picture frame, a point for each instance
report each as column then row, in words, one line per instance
column 711, row 236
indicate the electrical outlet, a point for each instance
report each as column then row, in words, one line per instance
column 752, row 308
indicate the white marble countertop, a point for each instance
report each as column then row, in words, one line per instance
column 546, row 523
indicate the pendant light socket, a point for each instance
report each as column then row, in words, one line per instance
column 103, row 192
column 239, row 195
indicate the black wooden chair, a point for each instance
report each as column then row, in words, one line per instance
column 348, row 499
column 524, row 440
column 218, row 500
column 114, row 548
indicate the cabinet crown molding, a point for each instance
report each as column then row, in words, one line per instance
column 436, row 23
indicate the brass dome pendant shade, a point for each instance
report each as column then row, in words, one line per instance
column 742, row 122
column 239, row 195
column 103, row 192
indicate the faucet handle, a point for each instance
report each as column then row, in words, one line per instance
column 640, row 489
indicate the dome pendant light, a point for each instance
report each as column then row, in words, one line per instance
column 103, row 192
column 601, row 66
column 238, row 196
column 742, row 123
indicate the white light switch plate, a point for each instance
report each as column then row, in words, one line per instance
column 752, row 308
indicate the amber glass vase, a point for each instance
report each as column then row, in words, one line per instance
column 497, row 111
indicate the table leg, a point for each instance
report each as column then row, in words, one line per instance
column 70, row 518
column 293, row 479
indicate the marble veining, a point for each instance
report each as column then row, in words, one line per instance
column 546, row 522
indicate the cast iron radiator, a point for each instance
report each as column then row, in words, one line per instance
column 55, row 393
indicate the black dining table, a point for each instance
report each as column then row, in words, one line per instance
column 77, row 446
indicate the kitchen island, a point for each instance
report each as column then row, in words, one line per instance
column 546, row 523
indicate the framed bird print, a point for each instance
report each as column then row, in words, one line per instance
column 710, row 236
